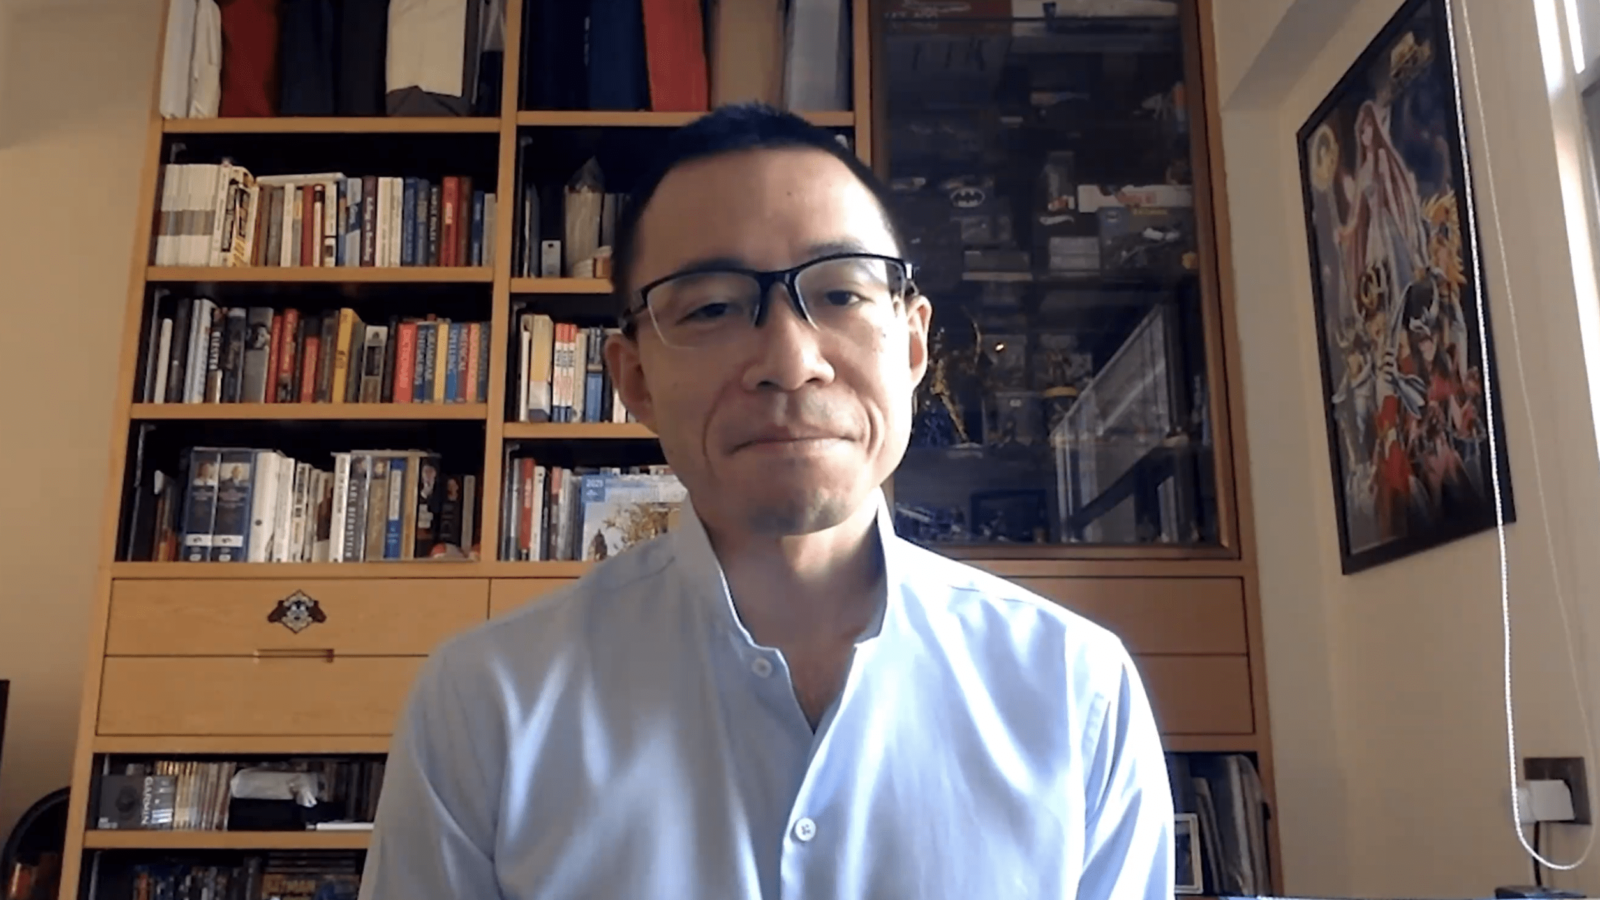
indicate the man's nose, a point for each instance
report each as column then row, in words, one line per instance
column 787, row 351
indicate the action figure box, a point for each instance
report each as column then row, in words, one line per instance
column 982, row 215
column 1146, row 239
column 953, row 17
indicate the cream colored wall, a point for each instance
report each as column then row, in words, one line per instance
column 1386, row 688
column 77, row 83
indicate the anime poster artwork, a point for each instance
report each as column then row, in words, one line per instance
column 1394, row 275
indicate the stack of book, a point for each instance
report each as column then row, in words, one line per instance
column 197, row 351
column 244, row 504
column 561, row 373
column 219, row 214
column 583, row 513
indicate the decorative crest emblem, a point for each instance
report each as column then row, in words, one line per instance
column 297, row 612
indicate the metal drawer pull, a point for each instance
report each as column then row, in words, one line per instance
column 322, row 653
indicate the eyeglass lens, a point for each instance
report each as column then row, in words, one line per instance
column 702, row 307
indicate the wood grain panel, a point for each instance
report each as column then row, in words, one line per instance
column 506, row 594
column 1207, row 695
column 377, row 617
column 229, row 695
column 1157, row 615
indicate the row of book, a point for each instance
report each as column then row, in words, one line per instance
column 564, row 230
column 197, row 351
column 561, row 373
column 273, row 875
column 243, row 504
column 219, row 214
column 1220, row 802
column 590, row 514
column 323, row 793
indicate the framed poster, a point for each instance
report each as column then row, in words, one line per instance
column 1395, row 275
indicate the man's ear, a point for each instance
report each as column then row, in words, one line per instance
column 627, row 373
column 919, row 314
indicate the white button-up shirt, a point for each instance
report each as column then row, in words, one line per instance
column 627, row 738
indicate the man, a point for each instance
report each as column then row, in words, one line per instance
column 780, row 698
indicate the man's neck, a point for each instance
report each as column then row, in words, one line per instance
column 803, row 591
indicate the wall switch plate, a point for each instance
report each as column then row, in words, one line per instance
column 1569, row 769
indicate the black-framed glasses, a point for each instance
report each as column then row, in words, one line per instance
column 847, row 293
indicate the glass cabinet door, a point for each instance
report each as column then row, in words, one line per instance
column 1041, row 161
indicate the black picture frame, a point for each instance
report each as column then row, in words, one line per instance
column 1395, row 275
column 1189, row 868
column 5, row 695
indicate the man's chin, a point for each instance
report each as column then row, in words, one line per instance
column 802, row 511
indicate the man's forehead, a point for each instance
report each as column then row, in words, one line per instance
column 758, row 205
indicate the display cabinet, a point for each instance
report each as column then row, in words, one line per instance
column 1055, row 170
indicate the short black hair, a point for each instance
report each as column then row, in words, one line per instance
column 728, row 129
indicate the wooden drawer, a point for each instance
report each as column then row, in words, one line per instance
column 381, row 617
column 1199, row 694
column 223, row 696
column 1157, row 615
column 506, row 594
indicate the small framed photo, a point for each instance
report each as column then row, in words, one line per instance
column 1187, row 877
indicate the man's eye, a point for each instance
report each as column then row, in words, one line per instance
column 708, row 312
column 844, row 296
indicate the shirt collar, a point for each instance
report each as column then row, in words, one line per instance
column 708, row 583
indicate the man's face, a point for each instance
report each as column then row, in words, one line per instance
column 789, row 429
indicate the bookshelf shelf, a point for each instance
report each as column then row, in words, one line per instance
column 566, row 431
column 560, row 285
column 334, row 125
column 513, row 569
column 443, row 568
column 628, row 119
column 226, row 840
column 242, row 745
column 1211, row 743
column 320, row 275
column 288, row 412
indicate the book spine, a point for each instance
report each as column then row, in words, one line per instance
column 200, row 504
column 417, row 209
column 230, row 529
column 452, row 361
column 405, row 363
column 435, row 212
column 338, row 519
column 408, row 222
column 369, row 220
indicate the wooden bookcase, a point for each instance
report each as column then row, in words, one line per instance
column 181, row 657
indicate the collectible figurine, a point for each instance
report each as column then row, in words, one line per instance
column 939, row 419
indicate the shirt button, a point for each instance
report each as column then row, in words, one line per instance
column 761, row 666
column 805, row 830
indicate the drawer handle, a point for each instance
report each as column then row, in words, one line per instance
column 322, row 653
column 297, row 612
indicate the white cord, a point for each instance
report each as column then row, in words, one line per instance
column 1494, row 461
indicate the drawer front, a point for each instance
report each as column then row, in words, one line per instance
column 376, row 617
column 1199, row 694
column 1157, row 615
column 244, row 696
column 507, row 594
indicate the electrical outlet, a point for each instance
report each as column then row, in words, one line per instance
column 1569, row 769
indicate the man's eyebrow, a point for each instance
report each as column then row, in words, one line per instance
column 813, row 251
column 830, row 248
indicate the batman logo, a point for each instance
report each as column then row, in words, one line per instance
column 967, row 197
